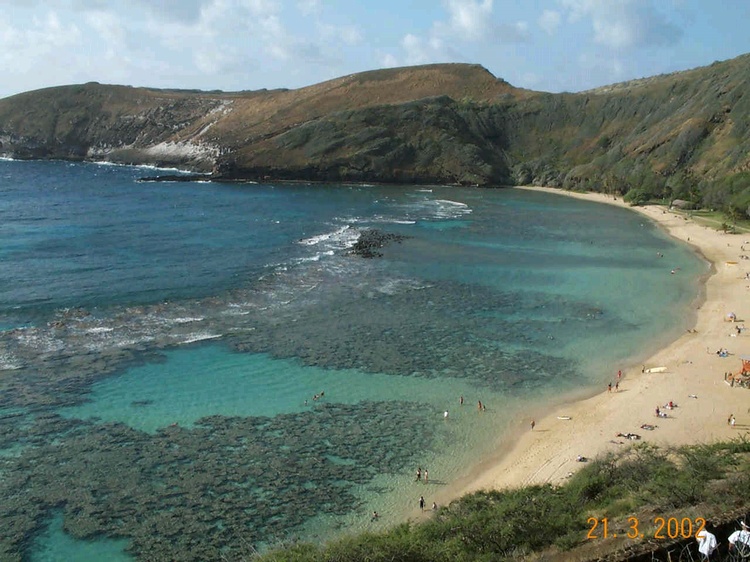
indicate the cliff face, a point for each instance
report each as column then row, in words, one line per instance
column 114, row 123
column 231, row 131
column 449, row 123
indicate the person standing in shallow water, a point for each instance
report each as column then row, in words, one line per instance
column 421, row 503
column 419, row 474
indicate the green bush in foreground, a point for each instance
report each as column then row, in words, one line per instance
column 498, row 525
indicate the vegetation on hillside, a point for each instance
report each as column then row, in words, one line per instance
column 643, row 482
column 683, row 136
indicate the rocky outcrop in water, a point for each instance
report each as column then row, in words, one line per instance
column 371, row 241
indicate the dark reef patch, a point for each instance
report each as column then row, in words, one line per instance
column 204, row 492
column 371, row 241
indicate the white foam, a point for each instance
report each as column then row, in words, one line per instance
column 449, row 202
column 140, row 166
column 444, row 209
column 398, row 221
column 99, row 330
column 314, row 240
column 7, row 363
column 199, row 337
column 315, row 257
column 187, row 319
column 396, row 286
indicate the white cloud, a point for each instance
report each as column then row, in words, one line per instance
column 46, row 39
column 349, row 35
column 549, row 21
column 309, row 7
column 387, row 60
column 623, row 24
column 416, row 50
column 469, row 17
column 108, row 26
column 468, row 23
column 611, row 69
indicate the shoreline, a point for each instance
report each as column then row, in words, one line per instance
column 548, row 453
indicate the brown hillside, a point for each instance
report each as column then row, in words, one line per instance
column 258, row 115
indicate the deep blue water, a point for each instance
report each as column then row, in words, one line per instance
column 161, row 346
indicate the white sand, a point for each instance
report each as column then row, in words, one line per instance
column 548, row 453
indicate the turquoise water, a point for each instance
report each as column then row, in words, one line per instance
column 210, row 380
column 162, row 345
column 55, row 545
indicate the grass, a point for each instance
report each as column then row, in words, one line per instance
column 716, row 219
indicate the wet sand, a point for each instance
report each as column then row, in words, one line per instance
column 693, row 379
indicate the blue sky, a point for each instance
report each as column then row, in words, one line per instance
column 549, row 45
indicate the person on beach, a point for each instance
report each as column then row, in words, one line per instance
column 619, row 374
column 426, row 476
column 533, row 424
column 375, row 516
column 729, row 419
column 617, row 386
column 421, row 503
column 732, row 422
column 461, row 400
column 434, row 506
column 479, row 405
column 609, row 387
column 419, row 474
column 658, row 412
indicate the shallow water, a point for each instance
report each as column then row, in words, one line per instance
column 162, row 345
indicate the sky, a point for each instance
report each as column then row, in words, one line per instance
column 231, row 45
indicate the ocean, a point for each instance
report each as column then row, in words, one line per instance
column 197, row 370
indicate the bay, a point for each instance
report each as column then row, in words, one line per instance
column 196, row 369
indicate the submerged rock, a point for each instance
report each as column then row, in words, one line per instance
column 371, row 241
column 191, row 493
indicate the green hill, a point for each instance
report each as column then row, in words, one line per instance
column 677, row 136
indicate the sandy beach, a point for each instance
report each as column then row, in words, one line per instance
column 693, row 379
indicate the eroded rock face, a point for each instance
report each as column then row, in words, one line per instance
column 111, row 123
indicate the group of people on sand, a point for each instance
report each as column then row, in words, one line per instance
column 668, row 406
column 422, row 504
